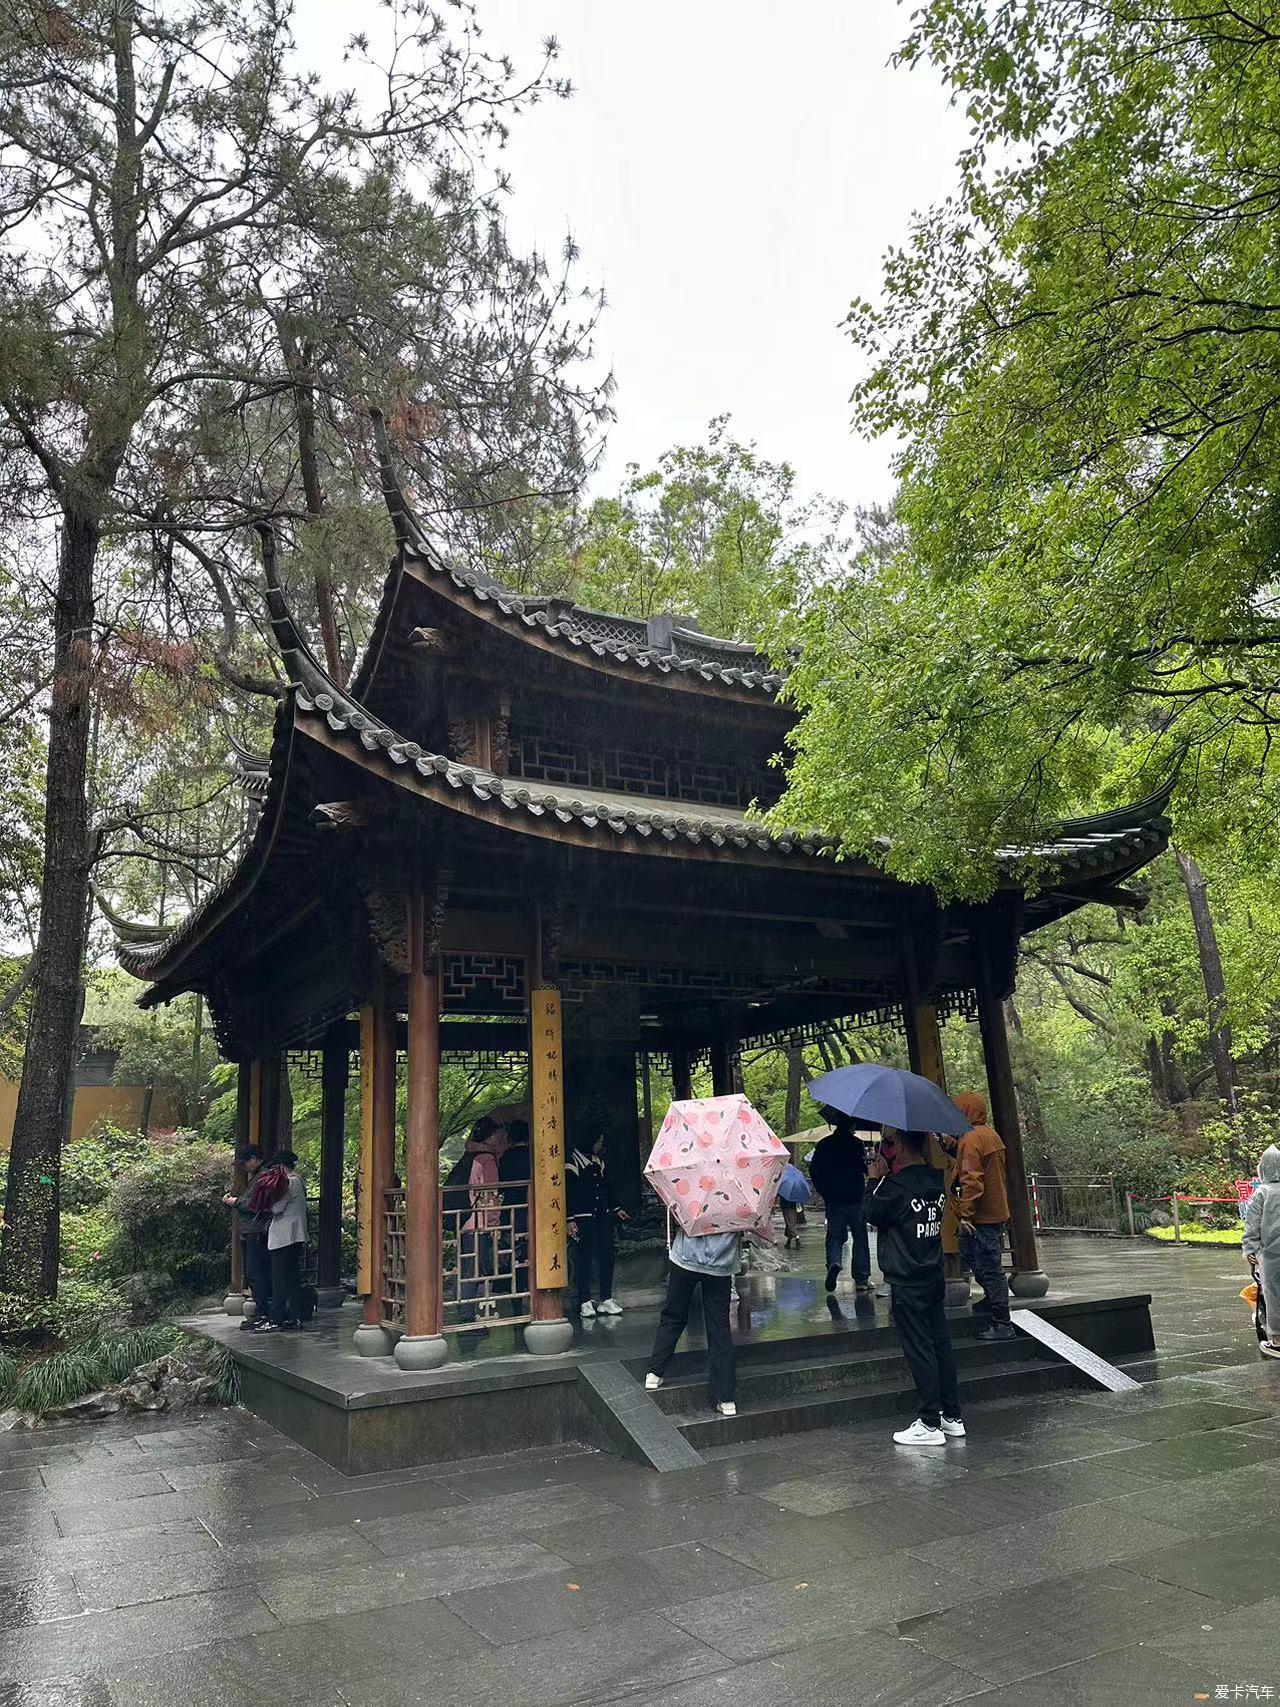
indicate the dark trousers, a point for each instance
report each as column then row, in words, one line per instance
column 286, row 1283
column 921, row 1322
column 981, row 1251
column 722, row 1377
column 846, row 1220
column 593, row 1255
column 257, row 1271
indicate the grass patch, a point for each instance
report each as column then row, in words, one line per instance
column 105, row 1358
column 1192, row 1235
column 8, row 1375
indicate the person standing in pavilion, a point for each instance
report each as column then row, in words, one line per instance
column 251, row 1228
column 592, row 1213
column 906, row 1207
column 981, row 1200
column 287, row 1243
column 838, row 1169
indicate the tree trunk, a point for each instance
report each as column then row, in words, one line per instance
column 1029, row 1090
column 144, row 1118
column 29, row 1244
column 299, row 359
column 1215, row 987
column 795, row 1075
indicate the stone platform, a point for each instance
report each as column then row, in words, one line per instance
column 806, row 1361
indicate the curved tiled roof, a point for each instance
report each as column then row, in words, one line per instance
column 657, row 646
column 1118, row 841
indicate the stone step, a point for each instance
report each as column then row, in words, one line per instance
column 892, row 1397
column 776, row 1382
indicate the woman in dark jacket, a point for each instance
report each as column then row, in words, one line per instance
column 591, row 1217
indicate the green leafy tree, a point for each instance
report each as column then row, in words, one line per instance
column 199, row 234
column 1080, row 352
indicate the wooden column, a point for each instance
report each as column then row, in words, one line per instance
column 549, row 1331
column 377, row 1159
column 233, row 1303
column 924, row 1049
column 646, row 1107
column 681, row 1073
column 1028, row 1281
column 422, row 1346
column 721, row 1070
column 333, row 1133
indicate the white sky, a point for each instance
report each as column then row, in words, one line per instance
column 732, row 171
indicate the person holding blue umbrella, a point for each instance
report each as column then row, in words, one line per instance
column 906, row 1208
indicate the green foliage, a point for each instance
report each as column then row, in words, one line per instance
column 160, row 1049
column 90, row 1166
column 1193, row 1235
column 715, row 535
column 170, row 1215
column 1080, row 353
column 82, row 1307
column 8, row 1375
column 104, row 1359
column 85, row 1242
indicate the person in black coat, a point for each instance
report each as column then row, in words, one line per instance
column 838, row 1169
column 592, row 1212
column 251, row 1230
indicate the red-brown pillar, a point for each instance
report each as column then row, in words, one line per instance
column 233, row 1303
column 333, row 1134
column 1028, row 1279
column 377, row 1159
column 422, row 1345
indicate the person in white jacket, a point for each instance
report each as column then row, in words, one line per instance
column 287, row 1244
column 1261, row 1242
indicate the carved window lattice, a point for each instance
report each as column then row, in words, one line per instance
column 717, row 981
column 958, row 1004
column 542, row 753
column 484, row 983
column 393, row 1255
column 308, row 1062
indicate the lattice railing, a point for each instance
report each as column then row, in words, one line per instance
column 484, row 1259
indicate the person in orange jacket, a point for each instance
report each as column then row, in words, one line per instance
column 982, row 1208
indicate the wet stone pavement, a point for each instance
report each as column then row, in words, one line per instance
column 1077, row 1548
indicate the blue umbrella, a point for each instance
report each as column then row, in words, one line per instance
column 793, row 1187
column 886, row 1096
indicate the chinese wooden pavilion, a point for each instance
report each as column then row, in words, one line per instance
column 521, row 832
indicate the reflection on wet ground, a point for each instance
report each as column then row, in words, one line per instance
column 1077, row 1548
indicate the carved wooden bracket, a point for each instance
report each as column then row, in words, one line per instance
column 437, row 905
column 430, row 640
column 340, row 815
column 389, row 929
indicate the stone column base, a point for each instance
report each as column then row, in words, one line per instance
column 957, row 1293
column 370, row 1340
column 421, row 1351
column 548, row 1339
column 1028, row 1283
column 233, row 1304
column 329, row 1297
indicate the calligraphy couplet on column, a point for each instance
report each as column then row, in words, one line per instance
column 548, row 1140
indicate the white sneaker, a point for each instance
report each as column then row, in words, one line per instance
column 953, row 1428
column 919, row 1435
column 652, row 1383
column 588, row 1310
column 728, row 1409
column 610, row 1307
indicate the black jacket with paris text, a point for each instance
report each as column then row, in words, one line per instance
column 906, row 1210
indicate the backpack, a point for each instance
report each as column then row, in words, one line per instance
column 269, row 1187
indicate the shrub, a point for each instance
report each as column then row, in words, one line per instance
column 82, row 1307
column 170, row 1215
column 86, row 1241
column 8, row 1375
column 90, row 1165
column 149, row 1294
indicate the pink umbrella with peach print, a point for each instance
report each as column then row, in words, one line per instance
column 716, row 1165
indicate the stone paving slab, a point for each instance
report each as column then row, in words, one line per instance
column 1078, row 1548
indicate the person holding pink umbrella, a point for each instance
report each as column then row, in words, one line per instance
column 716, row 1165
column 709, row 1261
